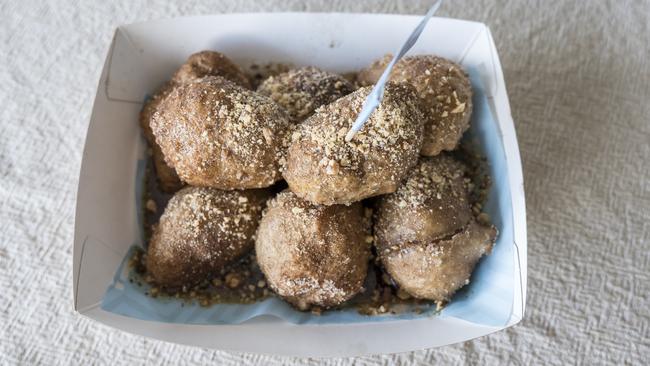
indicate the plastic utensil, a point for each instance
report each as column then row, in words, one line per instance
column 374, row 98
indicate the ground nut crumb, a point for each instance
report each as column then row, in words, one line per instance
column 151, row 205
column 233, row 280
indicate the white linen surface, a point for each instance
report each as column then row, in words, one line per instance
column 579, row 83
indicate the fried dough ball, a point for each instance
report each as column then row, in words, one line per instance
column 218, row 134
column 198, row 65
column 301, row 91
column 323, row 168
column 426, row 236
column 445, row 91
column 201, row 231
column 435, row 270
column 313, row 255
column 210, row 63
column 433, row 202
column 167, row 177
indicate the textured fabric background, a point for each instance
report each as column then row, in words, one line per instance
column 579, row 82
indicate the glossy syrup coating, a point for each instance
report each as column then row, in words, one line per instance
column 323, row 168
column 313, row 255
column 445, row 91
column 201, row 231
column 218, row 134
column 301, row 91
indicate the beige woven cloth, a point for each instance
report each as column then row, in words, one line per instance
column 579, row 82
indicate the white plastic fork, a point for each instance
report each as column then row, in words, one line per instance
column 374, row 98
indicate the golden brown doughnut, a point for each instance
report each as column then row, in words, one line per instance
column 167, row 177
column 210, row 63
column 301, row 91
column 426, row 237
column 446, row 94
column 431, row 203
column 313, row 255
column 218, row 134
column 435, row 270
column 201, row 231
column 323, row 168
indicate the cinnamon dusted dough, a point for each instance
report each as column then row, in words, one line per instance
column 167, row 177
column 323, row 168
column 301, row 91
column 201, row 231
column 313, row 255
column 445, row 91
column 426, row 236
column 198, row 65
column 431, row 203
column 435, row 270
column 218, row 134
column 210, row 63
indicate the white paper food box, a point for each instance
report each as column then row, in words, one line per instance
column 144, row 55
